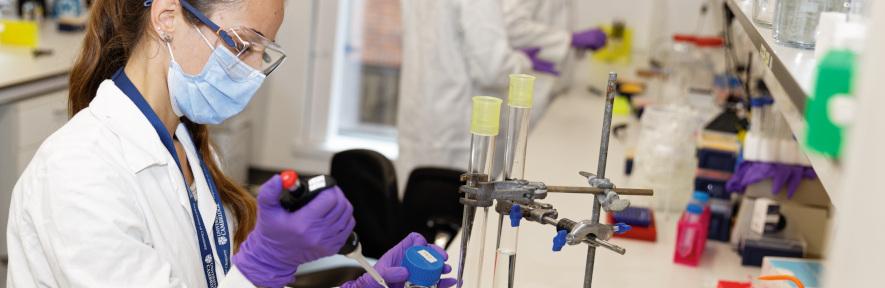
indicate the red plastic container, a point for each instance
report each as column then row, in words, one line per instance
column 690, row 236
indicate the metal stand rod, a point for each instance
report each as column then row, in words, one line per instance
column 592, row 190
column 600, row 169
column 466, row 231
column 607, row 245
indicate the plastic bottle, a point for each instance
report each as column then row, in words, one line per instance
column 710, row 62
column 689, row 241
column 425, row 267
column 834, row 84
column 703, row 199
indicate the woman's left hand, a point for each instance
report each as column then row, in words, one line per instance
column 391, row 269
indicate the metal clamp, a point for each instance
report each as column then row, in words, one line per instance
column 610, row 200
column 588, row 230
column 482, row 194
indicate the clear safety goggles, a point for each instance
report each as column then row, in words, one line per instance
column 248, row 45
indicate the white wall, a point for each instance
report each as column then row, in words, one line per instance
column 280, row 111
column 857, row 253
column 287, row 134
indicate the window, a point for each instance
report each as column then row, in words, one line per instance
column 368, row 70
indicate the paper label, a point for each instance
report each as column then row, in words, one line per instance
column 315, row 183
column 765, row 56
column 427, row 256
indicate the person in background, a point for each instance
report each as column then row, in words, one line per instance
column 548, row 25
column 129, row 192
column 452, row 51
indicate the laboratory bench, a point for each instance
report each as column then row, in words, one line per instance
column 565, row 141
column 33, row 94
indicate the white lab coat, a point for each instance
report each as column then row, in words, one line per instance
column 452, row 50
column 546, row 24
column 103, row 204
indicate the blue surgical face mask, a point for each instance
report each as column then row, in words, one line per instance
column 220, row 91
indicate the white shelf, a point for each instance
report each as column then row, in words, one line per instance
column 789, row 78
column 793, row 68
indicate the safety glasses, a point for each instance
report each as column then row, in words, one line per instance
column 249, row 45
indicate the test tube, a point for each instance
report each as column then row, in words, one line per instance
column 519, row 103
column 484, row 128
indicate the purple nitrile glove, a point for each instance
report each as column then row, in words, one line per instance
column 748, row 173
column 282, row 240
column 539, row 64
column 391, row 269
column 592, row 39
column 791, row 176
column 751, row 172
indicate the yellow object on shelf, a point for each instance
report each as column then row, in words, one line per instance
column 621, row 106
column 631, row 88
column 619, row 46
column 19, row 33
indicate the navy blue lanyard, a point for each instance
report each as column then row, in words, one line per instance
column 222, row 241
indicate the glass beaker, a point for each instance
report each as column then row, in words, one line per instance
column 795, row 21
column 763, row 12
column 857, row 11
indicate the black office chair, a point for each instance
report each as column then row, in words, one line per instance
column 430, row 204
column 368, row 180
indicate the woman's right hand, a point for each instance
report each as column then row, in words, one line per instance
column 282, row 240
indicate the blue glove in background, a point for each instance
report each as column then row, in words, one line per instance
column 282, row 240
column 390, row 266
column 539, row 64
column 751, row 172
column 592, row 39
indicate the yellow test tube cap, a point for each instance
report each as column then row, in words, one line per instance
column 486, row 120
column 522, row 88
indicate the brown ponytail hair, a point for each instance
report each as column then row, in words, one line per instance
column 114, row 29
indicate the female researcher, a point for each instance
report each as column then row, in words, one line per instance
column 129, row 193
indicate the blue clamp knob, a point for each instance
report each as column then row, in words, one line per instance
column 622, row 228
column 515, row 215
column 559, row 240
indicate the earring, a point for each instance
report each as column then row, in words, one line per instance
column 163, row 36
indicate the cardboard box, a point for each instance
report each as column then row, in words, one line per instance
column 812, row 223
